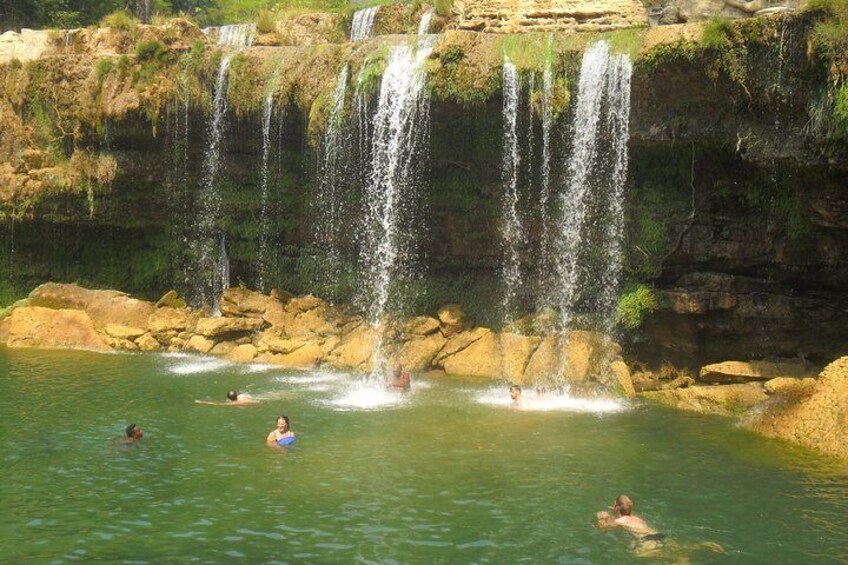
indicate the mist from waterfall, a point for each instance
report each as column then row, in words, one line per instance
column 362, row 26
column 589, row 229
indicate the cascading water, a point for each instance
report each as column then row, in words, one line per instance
column 424, row 24
column 239, row 36
column 331, row 226
column 223, row 268
column 208, row 278
column 588, row 231
column 363, row 23
column 511, row 225
column 264, row 220
column 545, row 258
column 400, row 137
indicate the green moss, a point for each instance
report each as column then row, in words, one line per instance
column 244, row 89
column 635, row 303
column 529, row 51
column 443, row 7
column 370, row 75
column 625, row 41
column 666, row 54
column 152, row 50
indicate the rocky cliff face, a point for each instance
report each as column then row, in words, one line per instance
column 736, row 211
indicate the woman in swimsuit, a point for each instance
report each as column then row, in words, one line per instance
column 281, row 435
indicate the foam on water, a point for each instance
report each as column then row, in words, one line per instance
column 530, row 401
column 365, row 396
column 198, row 365
column 312, row 378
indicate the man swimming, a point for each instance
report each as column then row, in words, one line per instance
column 623, row 507
column 133, row 435
column 233, row 399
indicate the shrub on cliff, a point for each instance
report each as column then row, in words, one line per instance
column 634, row 305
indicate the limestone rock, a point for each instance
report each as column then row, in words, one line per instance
column 200, row 344
column 168, row 319
column 815, row 416
column 492, row 355
column 240, row 301
column 305, row 357
column 727, row 400
column 119, row 343
column 102, row 306
column 305, row 303
column 171, row 300
column 780, row 385
column 417, row 354
column 222, row 348
column 622, row 377
column 355, row 349
column 33, row 326
column 421, row 325
column 452, row 319
column 739, row 371
column 217, row 327
column 281, row 345
column 514, row 16
column 123, row 332
column 459, row 342
column 310, row 29
column 578, row 357
column 242, row 353
column 148, row 343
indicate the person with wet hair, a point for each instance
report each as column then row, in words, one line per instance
column 281, row 436
column 515, row 394
column 400, row 380
column 133, row 435
column 649, row 542
column 233, row 398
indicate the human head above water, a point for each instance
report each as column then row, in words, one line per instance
column 285, row 419
column 134, row 431
column 623, row 505
column 514, row 391
column 232, row 395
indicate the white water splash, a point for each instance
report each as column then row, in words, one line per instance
column 365, row 396
column 531, row 402
column 363, row 23
column 426, row 20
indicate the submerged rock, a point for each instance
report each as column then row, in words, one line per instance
column 740, row 372
column 728, row 400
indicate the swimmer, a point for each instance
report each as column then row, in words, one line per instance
column 400, row 380
column 133, row 435
column 623, row 507
column 233, row 399
column 515, row 395
column 282, row 434
column 649, row 542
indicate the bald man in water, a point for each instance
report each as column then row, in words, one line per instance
column 623, row 507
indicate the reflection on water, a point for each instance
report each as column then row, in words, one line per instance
column 446, row 473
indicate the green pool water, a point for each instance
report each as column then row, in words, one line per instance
column 447, row 474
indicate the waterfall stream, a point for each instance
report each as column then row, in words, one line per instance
column 264, row 220
column 590, row 227
column 363, row 23
column 400, row 136
column 511, row 225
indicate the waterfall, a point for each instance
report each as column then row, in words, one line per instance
column 401, row 130
column 210, row 198
column 424, row 24
column 235, row 35
column 589, row 230
column 264, row 227
column 545, row 259
column 363, row 23
column 511, row 225
column 331, row 226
